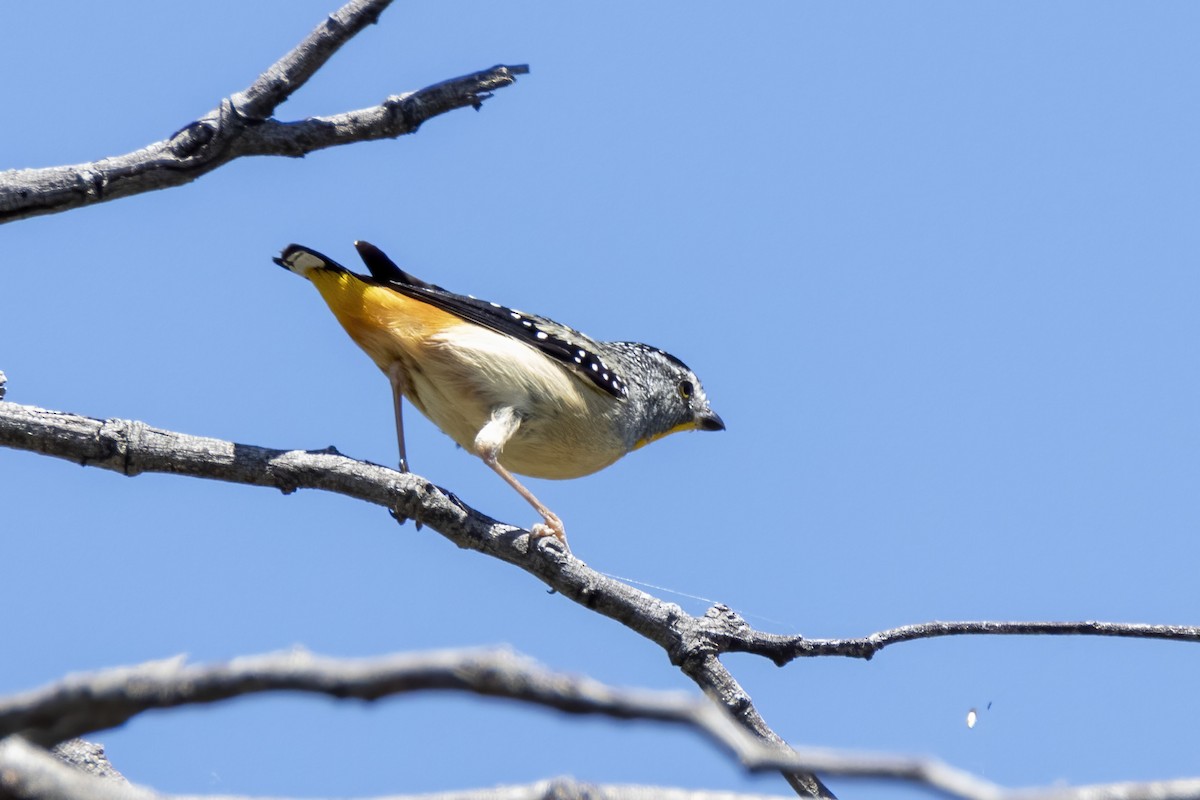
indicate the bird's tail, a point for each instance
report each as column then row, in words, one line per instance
column 301, row 260
column 384, row 321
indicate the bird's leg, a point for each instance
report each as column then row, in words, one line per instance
column 488, row 444
column 395, row 375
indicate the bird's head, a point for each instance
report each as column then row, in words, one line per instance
column 665, row 393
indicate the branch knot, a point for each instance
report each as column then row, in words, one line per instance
column 117, row 440
column 404, row 112
column 694, row 642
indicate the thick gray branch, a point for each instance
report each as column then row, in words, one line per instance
column 133, row 447
column 692, row 643
column 241, row 126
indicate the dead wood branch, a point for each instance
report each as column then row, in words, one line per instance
column 243, row 125
column 692, row 643
column 90, row 702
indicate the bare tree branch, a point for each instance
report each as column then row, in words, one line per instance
column 241, row 126
column 711, row 675
column 285, row 76
column 91, row 702
column 784, row 649
column 29, row 773
column 88, row 757
column 133, row 447
column 692, row 643
column 96, row 701
column 99, row 700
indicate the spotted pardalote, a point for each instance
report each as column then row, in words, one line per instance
column 524, row 393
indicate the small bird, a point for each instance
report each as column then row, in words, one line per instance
column 524, row 393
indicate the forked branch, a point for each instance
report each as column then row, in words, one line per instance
column 243, row 125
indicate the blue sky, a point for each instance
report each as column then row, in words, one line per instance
column 935, row 263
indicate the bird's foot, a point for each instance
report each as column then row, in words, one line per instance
column 396, row 513
column 553, row 526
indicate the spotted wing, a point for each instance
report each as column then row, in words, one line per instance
column 561, row 343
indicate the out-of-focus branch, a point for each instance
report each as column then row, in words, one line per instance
column 88, row 757
column 242, row 126
column 29, row 773
column 99, row 700
column 86, row 703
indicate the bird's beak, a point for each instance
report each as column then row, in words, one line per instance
column 709, row 421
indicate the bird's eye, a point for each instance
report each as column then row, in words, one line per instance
column 686, row 389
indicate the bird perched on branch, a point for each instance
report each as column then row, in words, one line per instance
column 524, row 393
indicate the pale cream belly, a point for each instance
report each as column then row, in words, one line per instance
column 566, row 429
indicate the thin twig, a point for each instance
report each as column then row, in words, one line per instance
column 784, row 649
column 242, row 126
